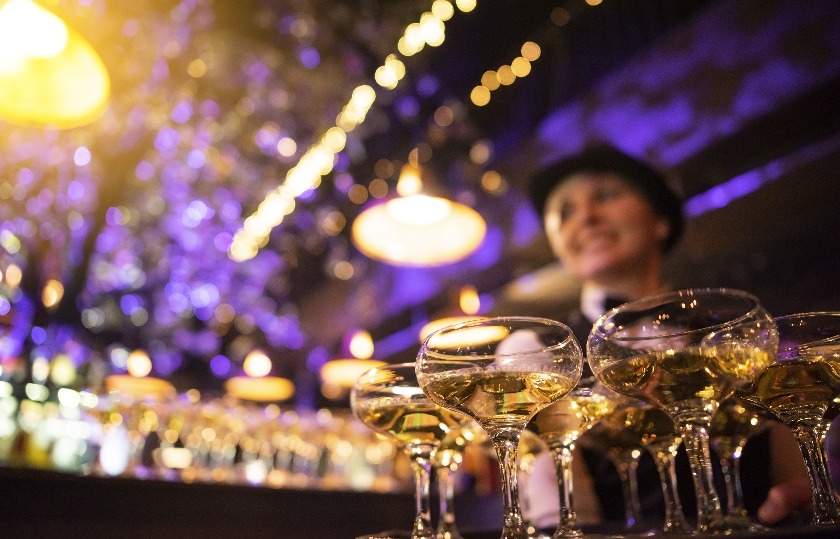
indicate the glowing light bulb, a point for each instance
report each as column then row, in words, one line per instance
column 138, row 363
column 361, row 345
column 257, row 364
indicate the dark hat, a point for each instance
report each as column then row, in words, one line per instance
column 650, row 183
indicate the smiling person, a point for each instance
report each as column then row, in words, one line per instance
column 611, row 220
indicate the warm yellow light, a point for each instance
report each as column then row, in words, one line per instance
column 62, row 370
column 29, row 31
column 432, row 29
column 520, row 66
column 480, row 96
column 13, row 275
column 176, row 458
column 506, row 75
column 145, row 387
column 530, row 51
column 138, row 363
column 464, row 336
column 197, row 68
column 465, row 5
column 418, row 231
column 49, row 74
column 490, row 80
column 443, row 10
column 468, row 300
column 419, row 210
column 343, row 373
column 256, row 364
column 409, row 182
column 361, row 345
column 52, row 293
column 492, row 181
column 265, row 389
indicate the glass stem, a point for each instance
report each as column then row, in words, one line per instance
column 695, row 435
column 626, row 467
column 674, row 517
column 731, row 468
column 506, row 442
column 562, row 455
column 421, row 465
column 446, row 490
column 812, row 444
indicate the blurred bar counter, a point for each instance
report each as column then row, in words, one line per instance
column 45, row 504
column 40, row 504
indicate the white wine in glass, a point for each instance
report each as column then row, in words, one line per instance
column 559, row 426
column 735, row 422
column 501, row 371
column 388, row 400
column 685, row 352
column 800, row 388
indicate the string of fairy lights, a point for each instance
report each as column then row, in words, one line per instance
column 319, row 158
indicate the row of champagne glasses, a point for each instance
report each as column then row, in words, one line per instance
column 683, row 353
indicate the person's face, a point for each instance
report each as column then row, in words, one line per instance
column 601, row 228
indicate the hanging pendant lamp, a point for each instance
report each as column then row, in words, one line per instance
column 49, row 74
column 416, row 229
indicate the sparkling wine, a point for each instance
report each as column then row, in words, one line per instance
column 456, row 440
column 410, row 422
column 733, row 424
column 571, row 415
column 684, row 379
column 500, row 396
column 798, row 388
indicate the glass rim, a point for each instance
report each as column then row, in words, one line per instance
column 598, row 327
column 496, row 321
column 786, row 346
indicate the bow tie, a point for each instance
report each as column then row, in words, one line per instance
column 612, row 303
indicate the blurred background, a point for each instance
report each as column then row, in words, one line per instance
column 184, row 184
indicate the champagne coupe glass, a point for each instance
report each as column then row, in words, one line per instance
column 735, row 422
column 501, row 371
column 685, row 352
column 656, row 432
column 445, row 461
column 623, row 449
column 388, row 400
column 559, row 426
column 800, row 388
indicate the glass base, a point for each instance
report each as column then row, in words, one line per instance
column 388, row 534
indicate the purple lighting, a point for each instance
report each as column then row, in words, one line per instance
column 220, row 366
column 310, row 58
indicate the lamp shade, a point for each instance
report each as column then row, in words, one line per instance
column 49, row 74
column 261, row 389
column 418, row 230
column 140, row 387
column 343, row 373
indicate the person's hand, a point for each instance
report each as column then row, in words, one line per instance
column 783, row 499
